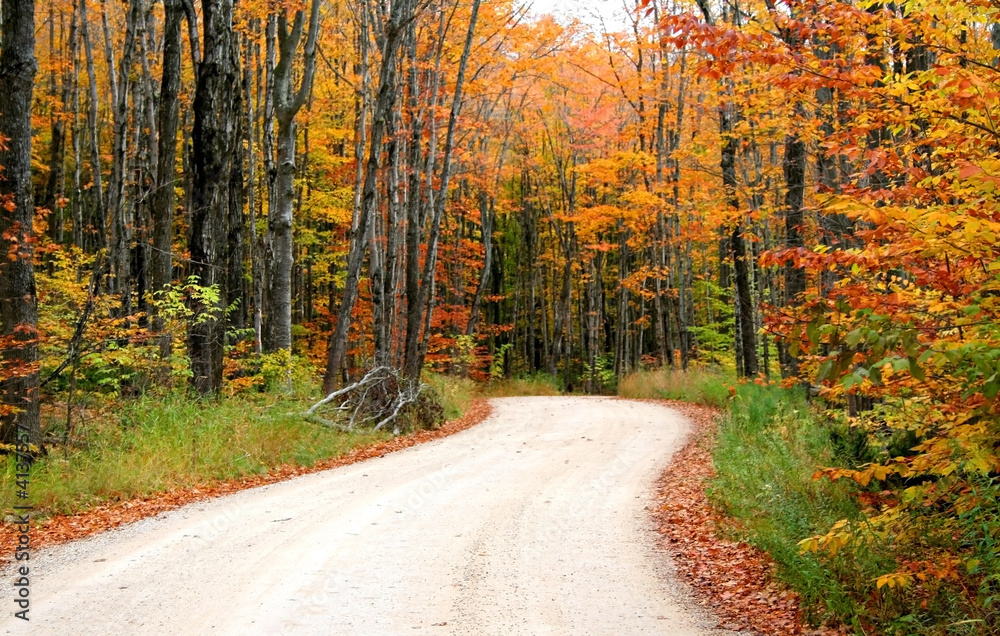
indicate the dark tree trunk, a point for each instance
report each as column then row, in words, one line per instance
column 746, row 334
column 161, row 261
column 121, row 86
column 414, row 360
column 100, row 219
column 19, row 306
column 236, row 256
column 417, row 211
column 54, row 190
column 794, row 165
column 74, row 44
column 486, row 216
column 214, row 147
column 735, row 244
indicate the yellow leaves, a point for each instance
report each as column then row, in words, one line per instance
column 982, row 461
column 878, row 472
column 833, row 541
column 894, row 580
column 642, row 199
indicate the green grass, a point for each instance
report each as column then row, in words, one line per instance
column 159, row 442
column 535, row 384
column 456, row 394
column 700, row 386
column 769, row 446
column 154, row 444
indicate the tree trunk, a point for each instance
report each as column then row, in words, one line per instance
column 278, row 323
column 746, row 334
column 161, row 261
column 236, row 296
column 77, row 132
column 385, row 105
column 287, row 102
column 417, row 211
column 794, row 165
column 54, row 191
column 486, row 220
column 100, row 219
column 120, row 85
column 415, row 359
column 213, row 137
column 19, row 310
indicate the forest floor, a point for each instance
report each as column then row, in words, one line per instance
column 535, row 521
column 732, row 577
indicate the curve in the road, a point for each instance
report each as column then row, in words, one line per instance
column 534, row 522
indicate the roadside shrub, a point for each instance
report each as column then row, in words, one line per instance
column 772, row 451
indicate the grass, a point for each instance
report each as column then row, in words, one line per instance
column 456, row 394
column 769, row 446
column 156, row 443
column 534, row 384
column 701, row 386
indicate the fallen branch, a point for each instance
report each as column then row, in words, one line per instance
column 382, row 390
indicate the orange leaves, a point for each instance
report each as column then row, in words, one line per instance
column 968, row 170
column 734, row 578
column 864, row 477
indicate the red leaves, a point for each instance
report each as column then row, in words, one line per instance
column 733, row 579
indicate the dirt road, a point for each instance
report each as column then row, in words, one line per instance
column 531, row 523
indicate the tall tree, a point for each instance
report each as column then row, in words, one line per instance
column 168, row 117
column 425, row 302
column 99, row 217
column 214, row 147
column 18, row 300
column 746, row 332
column 288, row 101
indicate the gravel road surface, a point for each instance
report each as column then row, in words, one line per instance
column 534, row 522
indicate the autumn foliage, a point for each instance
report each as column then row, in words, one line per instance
column 794, row 189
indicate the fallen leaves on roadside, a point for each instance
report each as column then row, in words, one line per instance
column 732, row 579
column 62, row 528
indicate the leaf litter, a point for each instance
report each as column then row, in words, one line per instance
column 733, row 579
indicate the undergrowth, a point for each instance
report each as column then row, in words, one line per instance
column 455, row 394
column 161, row 441
column 770, row 444
column 701, row 386
column 157, row 443
column 534, row 384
